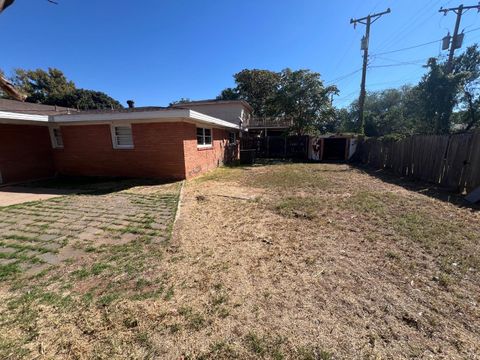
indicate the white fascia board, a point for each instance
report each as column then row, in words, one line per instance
column 211, row 120
column 7, row 117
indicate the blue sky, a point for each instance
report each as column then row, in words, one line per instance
column 157, row 51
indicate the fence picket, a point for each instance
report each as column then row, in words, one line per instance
column 452, row 161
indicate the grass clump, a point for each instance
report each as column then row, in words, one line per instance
column 9, row 270
column 195, row 320
column 298, row 207
column 265, row 347
column 313, row 353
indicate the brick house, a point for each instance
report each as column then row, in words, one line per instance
column 38, row 141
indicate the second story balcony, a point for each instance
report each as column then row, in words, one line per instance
column 269, row 122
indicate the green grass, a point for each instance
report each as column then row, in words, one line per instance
column 283, row 176
column 299, row 207
column 313, row 353
column 288, row 177
column 368, row 202
column 7, row 271
column 94, row 270
column 265, row 346
column 194, row 319
column 108, row 298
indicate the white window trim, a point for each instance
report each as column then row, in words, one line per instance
column 114, row 136
column 204, row 146
column 53, row 139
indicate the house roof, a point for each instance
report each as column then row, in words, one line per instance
column 16, row 112
column 32, row 108
column 141, row 115
column 214, row 101
column 124, row 110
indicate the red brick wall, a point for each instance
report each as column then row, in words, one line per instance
column 25, row 153
column 88, row 150
column 199, row 161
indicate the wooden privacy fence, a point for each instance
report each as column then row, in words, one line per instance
column 452, row 161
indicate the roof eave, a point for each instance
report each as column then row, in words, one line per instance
column 172, row 114
column 7, row 117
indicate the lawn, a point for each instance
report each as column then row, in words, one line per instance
column 282, row 261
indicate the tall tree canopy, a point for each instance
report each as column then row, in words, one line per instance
column 468, row 98
column 442, row 102
column 385, row 113
column 298, row 95
column 51, row 87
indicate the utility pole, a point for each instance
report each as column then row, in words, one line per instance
column 457, row 39
column 367, row 21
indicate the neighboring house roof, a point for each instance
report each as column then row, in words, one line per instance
column 213, row 101
column 32, row 108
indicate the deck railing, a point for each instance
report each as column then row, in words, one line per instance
column 269, row 122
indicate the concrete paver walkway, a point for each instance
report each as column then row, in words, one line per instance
column 12, row 195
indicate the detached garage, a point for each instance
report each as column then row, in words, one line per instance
column 332, row 147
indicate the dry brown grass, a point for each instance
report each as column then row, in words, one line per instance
column 295, row 261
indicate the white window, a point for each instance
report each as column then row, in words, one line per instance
column 204, row 137
column 56, row 137
column 122, row 137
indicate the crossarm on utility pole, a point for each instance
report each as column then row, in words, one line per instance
column 460, row 10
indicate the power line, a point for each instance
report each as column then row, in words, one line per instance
column 401, row 61
column 343, row 77
column 407, row 25
column 419, row 45
column 393, row 65
column 409, row 47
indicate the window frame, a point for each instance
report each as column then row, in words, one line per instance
column 114, row 136
column 204, row 145
column 54, row 138
column 234, row 138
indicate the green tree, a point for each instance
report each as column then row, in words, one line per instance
column 229, row 94
column 45, row 87
column 88, row 99
column 257, row 87
column 302, row 97
column 298, row 95
column 438, row 91
column 438, row 101
column 468, row 64
column 180, row 101
column 52, row 87
column 385, row 113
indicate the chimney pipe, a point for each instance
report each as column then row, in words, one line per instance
column 131, row 104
